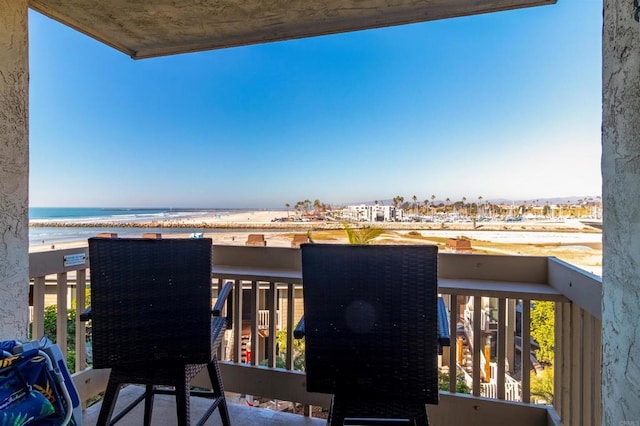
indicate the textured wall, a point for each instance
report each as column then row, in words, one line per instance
column 14, row 169
column 621, row 233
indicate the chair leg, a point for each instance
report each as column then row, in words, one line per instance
column 108, row 402
column 336, row 414
column 422, row 420
column 148, row 404
column 182, row 402
column 218, row 391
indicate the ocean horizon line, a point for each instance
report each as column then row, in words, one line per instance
column 48, row 213
column 438, row 200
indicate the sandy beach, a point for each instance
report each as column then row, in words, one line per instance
column 569, row 240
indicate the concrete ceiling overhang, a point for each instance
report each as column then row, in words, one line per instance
column 148, row 28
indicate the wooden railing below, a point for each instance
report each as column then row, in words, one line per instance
column 268, row 281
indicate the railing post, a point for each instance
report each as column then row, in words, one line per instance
column 477, row 343
column 62, row 313
column 453, row 349
column 576, row 365
column 272, row 303
column 255, row 306
column 510, row 335
column 587, row 373
column 501, row 347
column 597, row 362
column 39, row 290
column 81, row 350
column 565, row 364
column 525, row 351
column 290, row 325
column 237, row 321
column 558, row 401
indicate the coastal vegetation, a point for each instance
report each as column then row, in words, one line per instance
column 50, row 328
column 543, row 332
column 298, row 352
column 364, row 235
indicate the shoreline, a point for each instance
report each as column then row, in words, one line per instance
column 332, row 226
column 253, row 224
column 570, row 240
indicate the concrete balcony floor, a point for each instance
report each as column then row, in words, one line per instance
column 164, row 412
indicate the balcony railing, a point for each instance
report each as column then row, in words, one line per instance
column 268, row 281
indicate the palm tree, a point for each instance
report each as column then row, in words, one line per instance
column 287, row 206
column 414, row 198
column 397, row 200
column 361, row 235
column 447, row 201
column 433, row 200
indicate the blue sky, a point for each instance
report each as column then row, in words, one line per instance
column 503, row 105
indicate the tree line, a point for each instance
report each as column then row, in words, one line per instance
column 583, row 207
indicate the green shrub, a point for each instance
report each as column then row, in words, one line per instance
column 51, row 327
column 461, row 386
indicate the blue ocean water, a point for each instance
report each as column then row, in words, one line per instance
column 43, row 234
column 96, row 214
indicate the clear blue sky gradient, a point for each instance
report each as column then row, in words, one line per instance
column 503, row 105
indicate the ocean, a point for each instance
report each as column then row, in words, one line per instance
column 43, row 234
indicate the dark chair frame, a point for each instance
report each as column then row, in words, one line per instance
column 379, row 305
column 152, row 321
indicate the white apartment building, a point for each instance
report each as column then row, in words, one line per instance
column 373, row 213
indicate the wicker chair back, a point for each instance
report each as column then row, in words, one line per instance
column 370, row 315
column 150, row 301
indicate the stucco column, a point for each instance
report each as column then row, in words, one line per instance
column 621, row 232
column 14, row 170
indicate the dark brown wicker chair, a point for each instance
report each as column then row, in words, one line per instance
column 371, row 329
column 152, row 320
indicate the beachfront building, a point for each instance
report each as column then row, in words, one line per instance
column 140, row 29
column 372, row 213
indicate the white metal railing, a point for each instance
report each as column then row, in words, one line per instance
column 512, row 390
column 263, row 320
column 271, row 282
column 468, row 380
